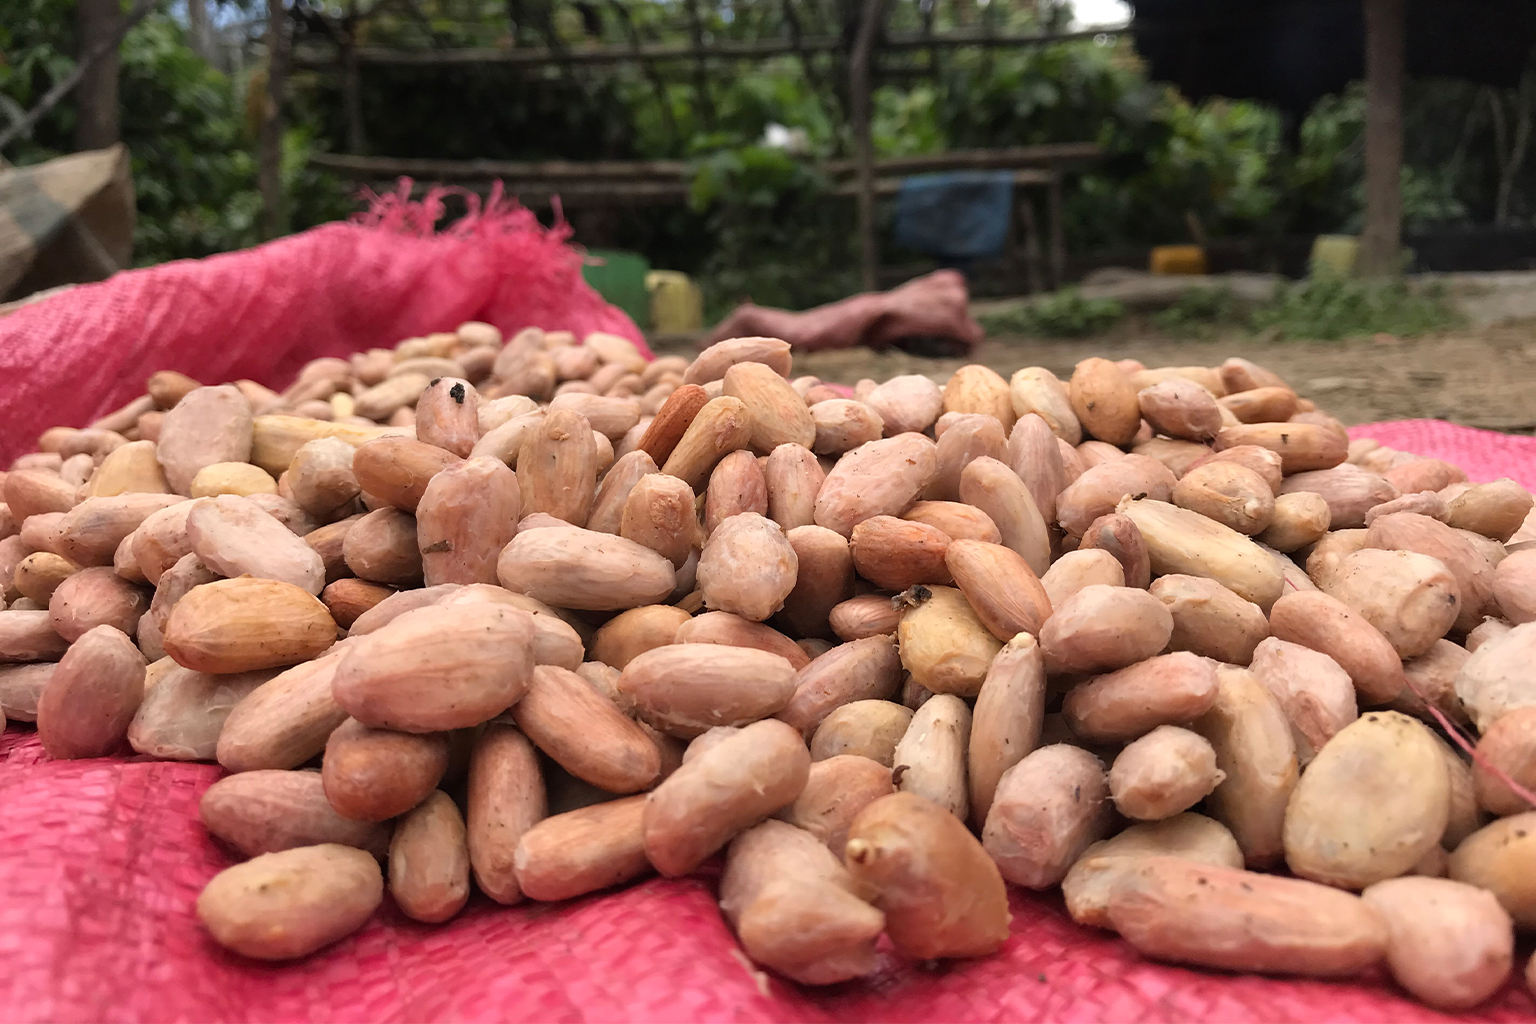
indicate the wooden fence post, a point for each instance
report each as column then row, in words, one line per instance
column 864, row 144
column 1384, row 45
column 269, row 172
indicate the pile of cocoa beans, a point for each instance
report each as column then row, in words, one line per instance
column 546, row 617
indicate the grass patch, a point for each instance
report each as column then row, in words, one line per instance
column 1328, row 307
column 1325, row 307
column 1199, row 312
column 1062, row 314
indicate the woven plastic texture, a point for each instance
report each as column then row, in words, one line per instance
column 101, row 861
column 262, row 313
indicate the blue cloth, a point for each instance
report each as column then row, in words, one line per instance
column 959, row 215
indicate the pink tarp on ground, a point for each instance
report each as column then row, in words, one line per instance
column 100, row 862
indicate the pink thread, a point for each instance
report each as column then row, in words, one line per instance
column 1454, row 732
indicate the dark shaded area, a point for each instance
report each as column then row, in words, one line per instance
column 1291, row 52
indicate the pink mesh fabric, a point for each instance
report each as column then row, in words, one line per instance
column 262, row 313
column 1484, row 454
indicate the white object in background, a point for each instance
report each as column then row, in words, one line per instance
column 792, row 140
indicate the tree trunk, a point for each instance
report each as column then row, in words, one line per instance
column 98, row 118
column 199, row 31
column 864, row 152
column 1384, row 45
column 270, row 156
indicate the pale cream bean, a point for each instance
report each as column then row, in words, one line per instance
column 1372, row 803
column 1411, row 598
column 1077, row 570
column 867, row 728
column 930, row 760
column 282, row 906
column 1009, row 712
column 1252, row 738
column 1181, row 541
column 1210, row 620
column 1167, row 771
column 944, row 644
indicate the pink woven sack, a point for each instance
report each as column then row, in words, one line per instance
column 102, row 860
column 262, row 313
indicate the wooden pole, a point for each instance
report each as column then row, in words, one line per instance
column 199, row 30
column 1058, row 230
column 352, row 82
column 269, row 172
column 98, row 114
column 719, row 49
column 702, row 96
column 1384, row 45
column 864, row 143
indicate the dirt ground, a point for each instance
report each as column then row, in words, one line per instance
column 1481, row 377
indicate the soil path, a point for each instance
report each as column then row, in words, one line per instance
column 1484, row 377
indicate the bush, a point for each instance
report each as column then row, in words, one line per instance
column 1329, row 306
column 1063, row 314
column 1198, row 311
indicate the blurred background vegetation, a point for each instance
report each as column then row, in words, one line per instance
column 760, row 222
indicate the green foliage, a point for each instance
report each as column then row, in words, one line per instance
column 193, row 168
column 1062, row 314
column 1324, row 181
column 1325, row 307
column 1197, row 312
column 907, row 123
column 1173, row 160
column 36, row 39
column 1329, row 306
column 770, row 217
